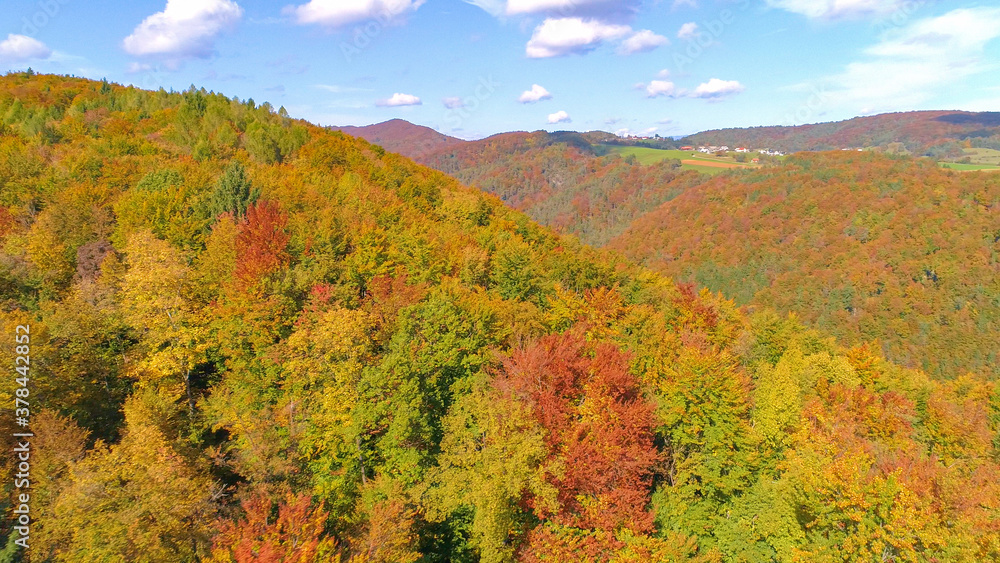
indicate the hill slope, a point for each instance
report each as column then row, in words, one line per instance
column 864, row 246
column 572, row 182
column 251, row 337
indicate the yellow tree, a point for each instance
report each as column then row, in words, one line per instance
column 776, row 398
column 155, row 302
column 139, row 500
column 324, row 358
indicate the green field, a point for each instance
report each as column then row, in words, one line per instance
column 645, row 155
column 979, row 159
column 969, row 167
column 983, row 156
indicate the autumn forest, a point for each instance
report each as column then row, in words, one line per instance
column 256, row 340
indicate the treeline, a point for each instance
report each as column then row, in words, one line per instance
column 255, row 340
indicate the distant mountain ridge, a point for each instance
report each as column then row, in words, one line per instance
column 402, row 137
column 931, row 133
column 938, row 133
column 425, row 144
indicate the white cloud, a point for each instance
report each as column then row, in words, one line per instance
column 716, row 88
column 338, row 13
column 398, row 99
column 564, row 36
column 641, row 42
column 559, row 117
column 21, row 48
column 910, row 66
column 627, row 132
column 658, row 88
column 535, row 94
column 665, row 73
column 688, row 31
column 839, row 9
column 185, row 28
column 453, row 102
column 538, row 6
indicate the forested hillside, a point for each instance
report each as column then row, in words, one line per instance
column 933, row 133
column 255, row 340
column 863, row 246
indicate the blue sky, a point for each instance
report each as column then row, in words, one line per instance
column 477, row 67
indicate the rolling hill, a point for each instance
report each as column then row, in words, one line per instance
column 572, row 181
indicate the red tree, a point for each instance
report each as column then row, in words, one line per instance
column 294, row 536
column 598, row 425
column 262, row 243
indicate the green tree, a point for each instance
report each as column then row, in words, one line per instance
column 704, row 423
column 233, row 193
column 438, row 345
column 492, row 456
